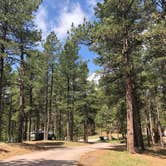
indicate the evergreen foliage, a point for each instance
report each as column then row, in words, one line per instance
column 48, row 91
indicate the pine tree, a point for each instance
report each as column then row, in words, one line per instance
column 26, row 36
column 7, row 21
column 69, row 66
column 117, row 38
column 52, row 50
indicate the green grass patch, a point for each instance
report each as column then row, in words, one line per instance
column 117, row 158
column 93, row 137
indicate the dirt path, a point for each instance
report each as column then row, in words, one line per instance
column 54, row 157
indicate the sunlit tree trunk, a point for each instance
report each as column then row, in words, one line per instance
column 129, row 98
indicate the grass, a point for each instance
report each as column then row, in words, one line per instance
column 117, row 155
column 113, row 158
column 93, row 137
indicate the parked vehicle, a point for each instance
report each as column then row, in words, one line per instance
column 36, row 136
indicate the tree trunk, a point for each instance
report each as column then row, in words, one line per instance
column 68, row 110
column 72, row 109
column 85, row 126
column 9, row 120
column 37, row 118
column 148, row 131
column 21, row 104
column 159, row 125
column 71, row 124
column 110, row 135
column 47, row 115
column 151, row 127
column 130, row 127
column 138, row 138
column 50, row 100
column 129, row 97
column 60, row 125
column 29, row 113
column 1, row 91
column 2, row 51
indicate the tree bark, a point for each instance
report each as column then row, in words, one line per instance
column 130, row 127
column 151, row 127
column 129, row 98
column 68, row 111
column 148, row 131
column 85, row 126
column 138, row 138
column 2, row 51
column 1, row 91
column 159, row 125
column 72, row 109
column 47, row 115
column 50, row 100
column 21, row 104
column 9, row 120
column 60, row 125
column 29, row 112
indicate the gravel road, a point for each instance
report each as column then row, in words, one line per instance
column 54, row 157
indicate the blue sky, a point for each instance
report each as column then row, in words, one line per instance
column 58, row 15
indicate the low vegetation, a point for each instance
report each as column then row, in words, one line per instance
column 118, row 156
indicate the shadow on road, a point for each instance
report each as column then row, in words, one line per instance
column 40, row 163
column 160, row 153
column 119, row 148
column 3, row 150
column 43, row 145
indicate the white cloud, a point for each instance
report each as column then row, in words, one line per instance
column 41, row 20
column 68, row 15
column 95, row 77
column 92, row 4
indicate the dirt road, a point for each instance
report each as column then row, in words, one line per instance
column 54, row 157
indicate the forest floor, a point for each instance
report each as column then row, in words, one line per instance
column 11, row 149
column 116, row 155
column 60, row 156
column 59, row 153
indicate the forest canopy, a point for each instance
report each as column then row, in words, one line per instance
column 48, row 89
